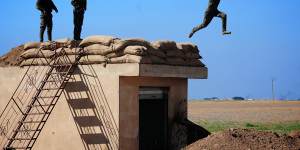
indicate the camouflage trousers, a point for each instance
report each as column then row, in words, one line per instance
column 78, row 22
column 46, row 22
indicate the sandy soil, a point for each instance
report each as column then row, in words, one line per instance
column 245, row 111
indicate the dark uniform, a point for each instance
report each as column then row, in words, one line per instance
column 79, row 9
column 211, row 12
column 46, row 7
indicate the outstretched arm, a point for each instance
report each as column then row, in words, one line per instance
column 54, row 7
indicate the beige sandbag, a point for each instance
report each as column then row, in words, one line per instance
column 97, row 39
column 174, row 53
column 132, row 50
column 34, row 53
column 63, row 42
column 188, row 47
column 195, row 63
column 32, row 45
column 176, row 61
column 35, row 62
column 192, row 55
column 66, row 59
column 157, row 52
column 97, row 49
column 136, row 50
column 164, row 45
column 131, row 59
column 68, row 51
column 122, row 44
column 92, row 59
column 157, row 60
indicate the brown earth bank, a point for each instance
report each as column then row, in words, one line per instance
column 12, row 58
column 247, row 139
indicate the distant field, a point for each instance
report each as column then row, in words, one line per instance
column 279, row 116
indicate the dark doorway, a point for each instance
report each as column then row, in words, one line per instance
column 153, row 118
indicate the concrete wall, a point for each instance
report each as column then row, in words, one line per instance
column 129, row 105
column 95, row 94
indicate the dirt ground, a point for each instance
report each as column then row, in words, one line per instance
column 245, row 111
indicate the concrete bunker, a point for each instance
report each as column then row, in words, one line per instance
column 125, row 105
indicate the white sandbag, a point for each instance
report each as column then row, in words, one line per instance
column 187, row 47
column 176, row 61
column 92, row 59
column 131, row 59
column 164, row 45
column 35, row 62
column 122, row 44
column 32, row 45
column 174, row 53
column 97, row 39
column 34, row 53
column 97, row 49
column 195, row 63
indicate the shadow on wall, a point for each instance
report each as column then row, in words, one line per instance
column 90, row 110
column 185, row 132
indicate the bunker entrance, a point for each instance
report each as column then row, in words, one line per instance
column 153, row 118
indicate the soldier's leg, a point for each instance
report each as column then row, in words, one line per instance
column 207, row 19
column 42, row 28
column 223, row 16
column 80, row 23
column 49, row 27
column 76, row 25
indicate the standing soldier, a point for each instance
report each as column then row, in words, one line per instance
column 46, row 7
column 211, row 12
column 79, row 9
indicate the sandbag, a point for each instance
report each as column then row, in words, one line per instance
column 68, row 51
column 157, row 60
column 35, row 62
column 192, row 55
column 164, row 45
column 136, row 50
column 34, row 53
column 97, row 49
column 131, row 59
column 122, row 44
column 32, row 45
column 63, row 42
column 92, row 59
column 187, row 47
column 156, row 52
column 96, row 39
column 176, row 61
column 195, row 63
column 174, row 53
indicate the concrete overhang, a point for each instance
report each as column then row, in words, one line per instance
column 149, row 70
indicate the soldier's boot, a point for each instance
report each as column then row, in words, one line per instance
column 223, row 16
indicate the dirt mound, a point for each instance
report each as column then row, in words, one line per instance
column 12, row 58
column 246, row 139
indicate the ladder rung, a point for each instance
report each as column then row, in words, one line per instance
column 48, row 96
column 20, row 147
column 33, row 121
column 23, row 139
column 64, row 65
column 51, row 88
column 40, row 105
column 37, row 113
column 27, row 130
column 59, row 73
column 52, row 81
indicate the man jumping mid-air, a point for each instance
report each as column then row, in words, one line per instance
column 211, row 12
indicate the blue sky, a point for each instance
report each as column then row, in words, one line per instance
column 265, row 43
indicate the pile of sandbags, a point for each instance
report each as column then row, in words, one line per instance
column 110, row 50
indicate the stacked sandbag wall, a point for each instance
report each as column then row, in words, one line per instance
column 110, row 50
